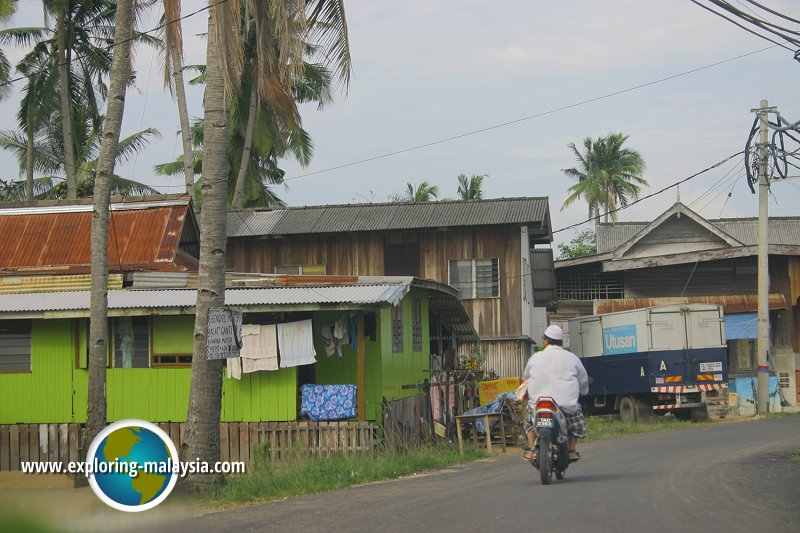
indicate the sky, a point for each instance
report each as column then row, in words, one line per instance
column 501, row 88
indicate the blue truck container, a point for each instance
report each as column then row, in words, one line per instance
column 653, row 361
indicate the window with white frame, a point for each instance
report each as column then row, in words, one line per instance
column 15, row 346
column 475, row 278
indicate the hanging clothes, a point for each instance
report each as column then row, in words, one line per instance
column 341, row 335
column 259, row 348
column 234, row 365
column 327, row 340
column 296, row 343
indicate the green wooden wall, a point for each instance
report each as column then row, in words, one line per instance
column 56, row 390
column 342, row 371
column 408, row 367
column 44, row 394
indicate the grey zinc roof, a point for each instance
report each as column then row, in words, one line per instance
column 389, row 216
column 169, row 298
column 782, row 231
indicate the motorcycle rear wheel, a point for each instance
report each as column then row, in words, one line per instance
column 545, row 460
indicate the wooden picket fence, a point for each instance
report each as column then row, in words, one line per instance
column 238, row 440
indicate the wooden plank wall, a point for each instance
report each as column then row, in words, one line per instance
column 362, row 255
column 38, row 442
column 61, row 442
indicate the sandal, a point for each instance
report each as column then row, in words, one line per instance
column 527, row 455
column 574, row 456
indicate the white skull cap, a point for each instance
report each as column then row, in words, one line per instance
column 554, row 332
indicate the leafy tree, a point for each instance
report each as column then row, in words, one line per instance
column 584, row 243
column 608, row 175
column 471, row 188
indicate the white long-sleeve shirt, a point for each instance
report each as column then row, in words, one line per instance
column 558, row 373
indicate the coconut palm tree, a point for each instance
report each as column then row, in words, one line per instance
column 7, row 9
column 173, row 79
column 109, row 151
column 257, row 141
column 608, row 175
column 44, row 154
column 423, row 192
column 471, row 188
column 281, row 29
column 71, row 61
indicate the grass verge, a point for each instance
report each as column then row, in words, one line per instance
column 307, row 475
column 598, row 428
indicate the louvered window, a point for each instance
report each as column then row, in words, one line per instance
column 15, row 346
column 476, row 278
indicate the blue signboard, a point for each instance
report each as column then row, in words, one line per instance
column 619, row 340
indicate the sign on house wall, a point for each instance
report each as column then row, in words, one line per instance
column 224, row 335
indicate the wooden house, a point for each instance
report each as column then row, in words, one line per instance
column 683, row 257
column 495, row 252
column 44, row 330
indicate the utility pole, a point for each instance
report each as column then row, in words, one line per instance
column 762, row 398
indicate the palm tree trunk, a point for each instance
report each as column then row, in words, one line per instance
column 29, row 165
column 98, row 324
column 183, row 114
column 201, row 439
column 238, row 192
column 66, row 107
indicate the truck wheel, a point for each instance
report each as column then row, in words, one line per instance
column 683, row 414
column 627, row 409
column 644, row 411
column 699, row 414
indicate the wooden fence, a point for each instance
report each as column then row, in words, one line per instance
column 62, row 442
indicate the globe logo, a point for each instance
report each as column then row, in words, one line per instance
column 132, row 465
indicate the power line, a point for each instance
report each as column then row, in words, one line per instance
column 529, row 117
column 113, row 45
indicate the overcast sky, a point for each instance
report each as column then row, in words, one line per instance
column 425, row 71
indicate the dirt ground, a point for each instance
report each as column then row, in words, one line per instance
column 51, row 503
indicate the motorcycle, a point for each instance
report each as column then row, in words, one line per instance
column 551, row 451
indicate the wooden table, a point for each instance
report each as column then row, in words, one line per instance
column 487, row 417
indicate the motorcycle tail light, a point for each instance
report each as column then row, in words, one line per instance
column 546, row 404
column 545, row 414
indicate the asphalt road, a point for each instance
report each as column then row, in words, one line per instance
column 724, row 477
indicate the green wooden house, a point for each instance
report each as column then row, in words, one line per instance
column 44, row 329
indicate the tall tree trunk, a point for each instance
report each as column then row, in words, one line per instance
column 64, row 57
column 201, row 440
column 29, row 165
column 174, row 47
column 183, row 114
column 98, row 324
column 238, row 192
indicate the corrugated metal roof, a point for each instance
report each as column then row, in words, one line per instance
column 730, row 304
column 783, row 231
column 390, row 216
column 169, row 298
column 384, row 291
column 57, row 238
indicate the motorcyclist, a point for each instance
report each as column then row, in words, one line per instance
column 557, row 373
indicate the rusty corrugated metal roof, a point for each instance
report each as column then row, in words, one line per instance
column 745, row 303
column 390, row 216
column 56, row 238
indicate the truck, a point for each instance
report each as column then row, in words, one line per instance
column 648, row 362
